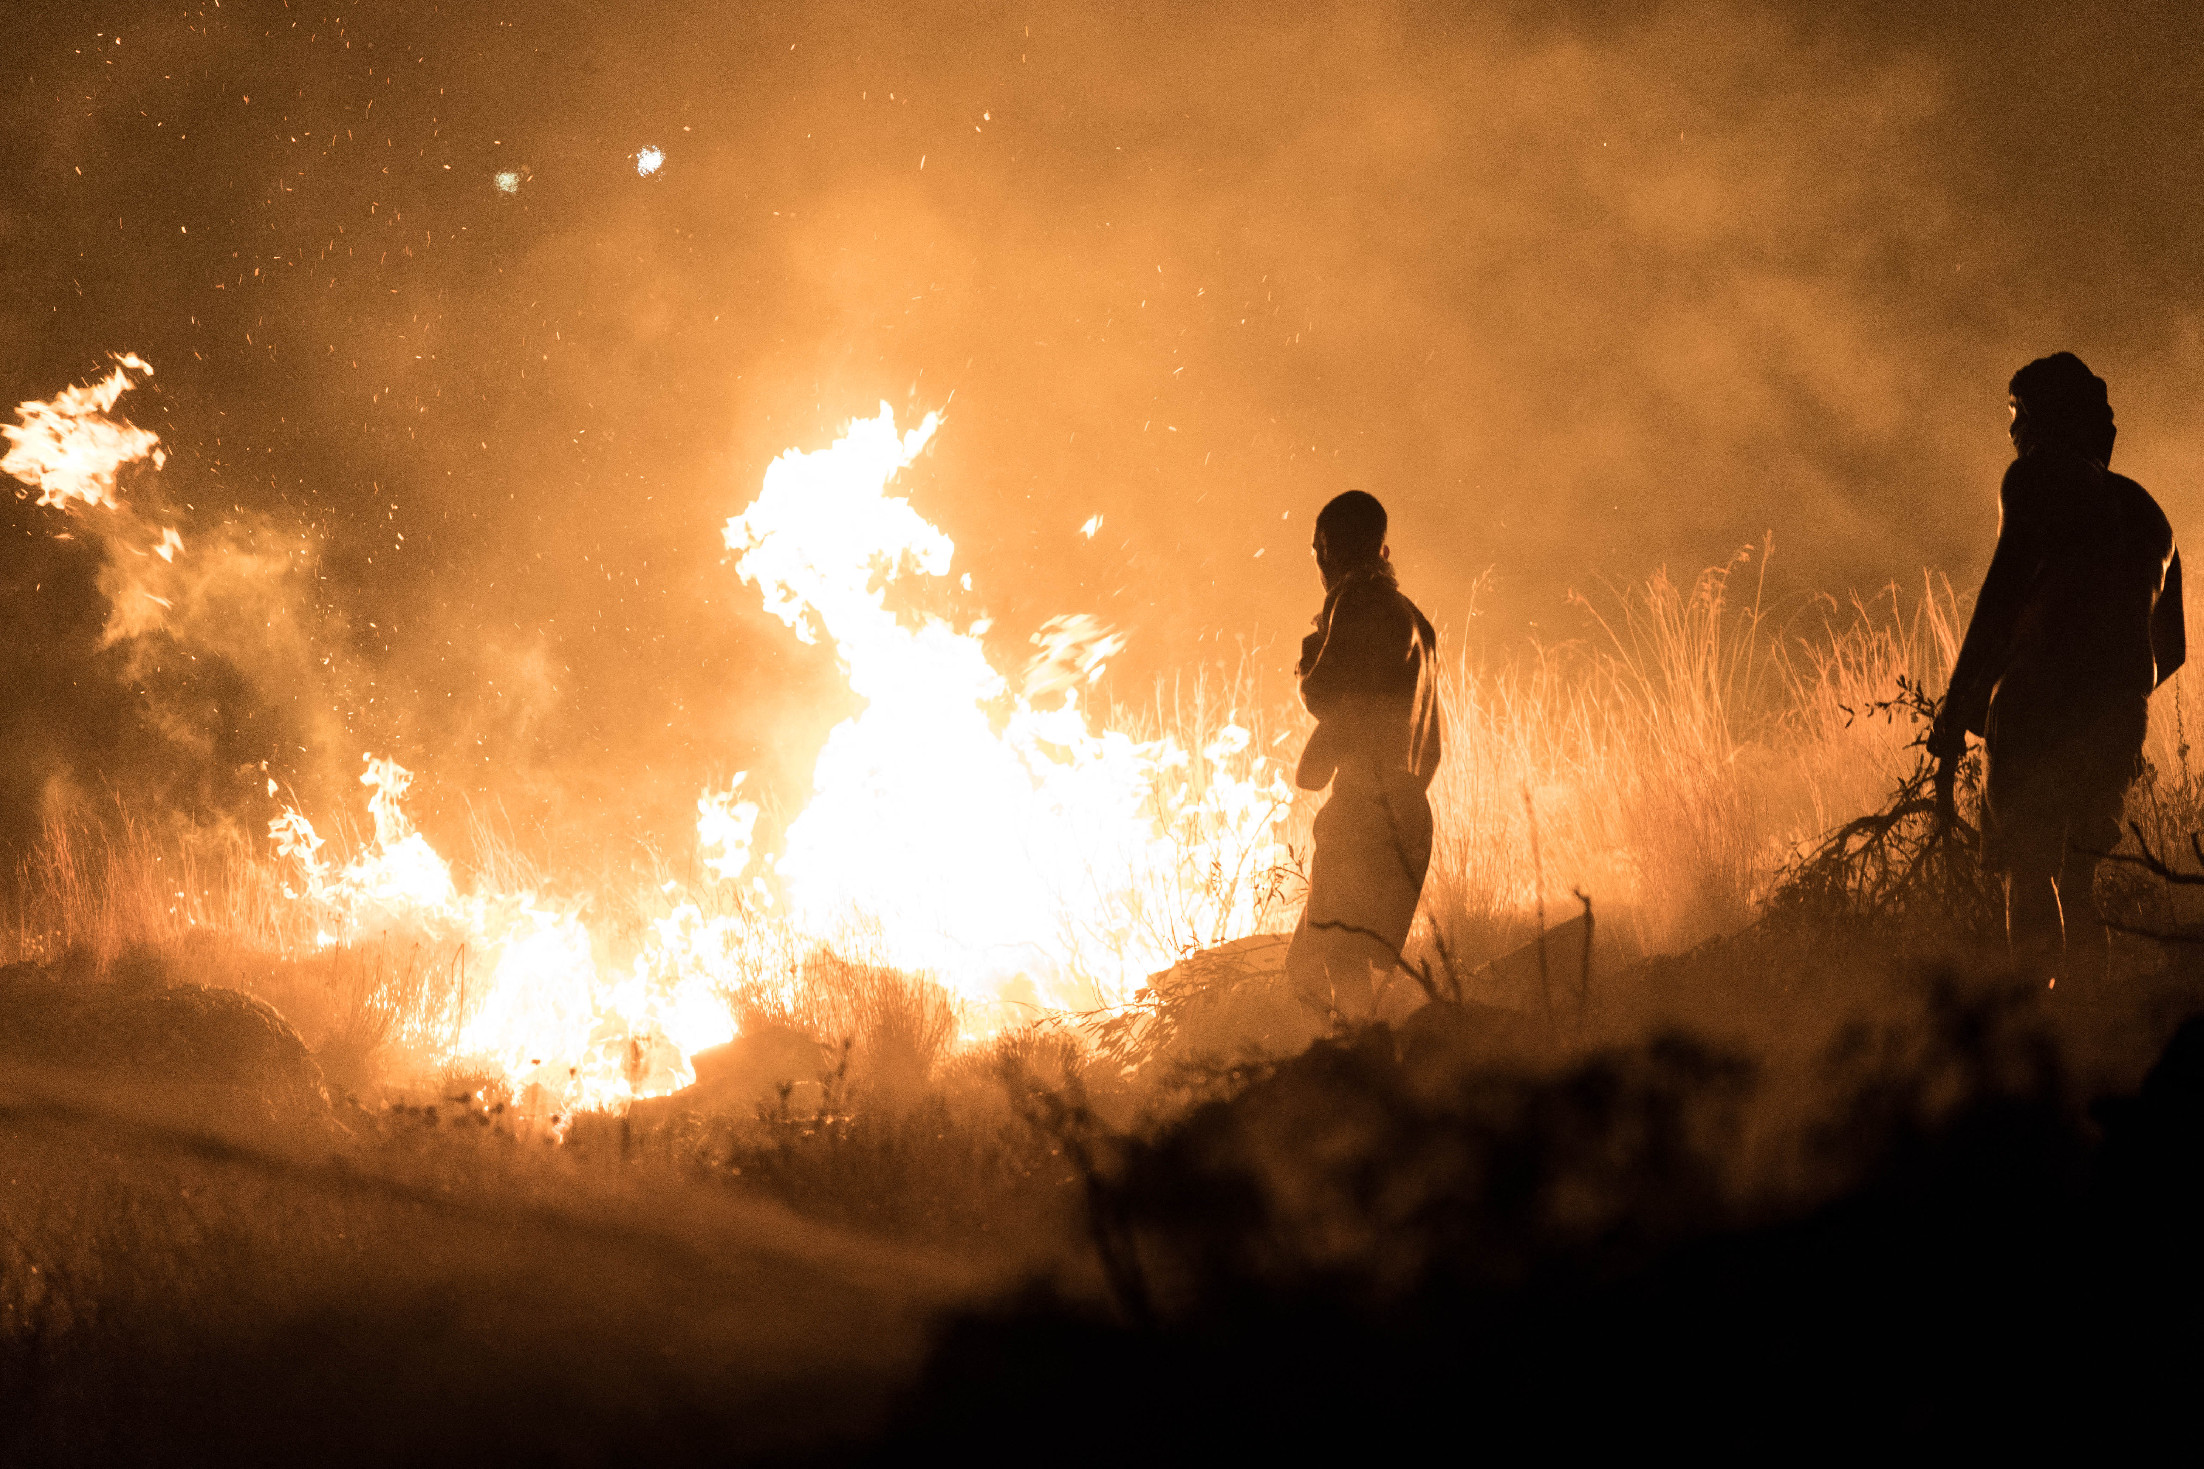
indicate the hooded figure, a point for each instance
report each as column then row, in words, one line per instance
column 2078, row 620
column 1368, row 676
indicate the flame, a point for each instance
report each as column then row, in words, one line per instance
column 723, row 829
column 563, row 1033
column 992, row 839
column 996, row 839
column 69, row 450
column 1075, row 649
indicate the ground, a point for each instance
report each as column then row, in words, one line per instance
column 1791, row 1139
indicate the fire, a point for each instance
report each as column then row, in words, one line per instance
column 69, row 450
column 992, row 836
column 547, row 1019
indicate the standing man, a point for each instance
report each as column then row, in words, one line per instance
column 1368, row 676
column 2078, row 620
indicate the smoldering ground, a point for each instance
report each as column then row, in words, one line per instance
column 1578, row 291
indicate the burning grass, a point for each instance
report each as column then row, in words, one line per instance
column 746, row 1266
column 1679, row 768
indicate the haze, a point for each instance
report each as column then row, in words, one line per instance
column 1579, row 292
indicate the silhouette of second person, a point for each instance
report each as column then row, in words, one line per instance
column 2079, row 619
column 1369, row 677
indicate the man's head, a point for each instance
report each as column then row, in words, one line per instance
column 1349, row 531
column 2058, row 402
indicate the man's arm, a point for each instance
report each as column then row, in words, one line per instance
column 2169, row 625
column 1365, row 641
column 1988, row 647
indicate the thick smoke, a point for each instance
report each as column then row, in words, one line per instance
column 1576, row 291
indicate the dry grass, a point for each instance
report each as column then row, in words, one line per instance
column 1668, row 766
column 893, row 1028
column 1675, row 764
column 106, row 880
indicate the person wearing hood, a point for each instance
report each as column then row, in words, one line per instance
column 1368, row 676
column 2078, row 620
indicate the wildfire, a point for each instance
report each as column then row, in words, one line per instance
column 69, row 450
column 992, row 837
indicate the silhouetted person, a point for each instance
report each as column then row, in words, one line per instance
column 1368, row 676
column 2079, row 618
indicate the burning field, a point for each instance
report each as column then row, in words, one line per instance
column 610, row 858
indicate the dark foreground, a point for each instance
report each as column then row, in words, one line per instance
column 1866, row 1206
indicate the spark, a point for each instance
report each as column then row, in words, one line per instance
column 1094, row 523
column 648, row 161
column 508, row 182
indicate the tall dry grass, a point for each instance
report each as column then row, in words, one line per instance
column 1671, row 762
column 102, row 880
column 1666, row 765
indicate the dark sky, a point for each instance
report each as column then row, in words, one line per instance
column 1578, row 292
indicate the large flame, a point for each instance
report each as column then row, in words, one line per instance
column 69, row 449
column 993, row 838
column 989, row 837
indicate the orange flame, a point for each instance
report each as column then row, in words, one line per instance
column 69, row 450
column 1041, row 866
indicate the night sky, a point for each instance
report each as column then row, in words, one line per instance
column 1579, row 292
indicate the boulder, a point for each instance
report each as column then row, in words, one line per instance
column 746, row 1073
column 200, row 1054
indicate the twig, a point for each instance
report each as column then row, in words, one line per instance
column 1584, row 971
column 1538, row 904
column 2150, row 861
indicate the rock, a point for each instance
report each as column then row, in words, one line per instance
column 209, row 1056
column 1577, row 953
column 747, row 1072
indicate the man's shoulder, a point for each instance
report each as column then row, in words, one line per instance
column 2062, row 494
column 1368, row 590
column 2043, row 481
column 2143, row 510
column 2052, row 487
column 1384, row 612
column 1369, row 608
column 2133, row 493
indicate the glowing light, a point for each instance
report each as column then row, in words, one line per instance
column 1026, row 861
column 990, row 837
column 508, row 182
column 648, row 161
column 547, row 1018
column 69, row 450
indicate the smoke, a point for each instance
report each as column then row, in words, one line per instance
column 178, row 699
column 458, row 395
